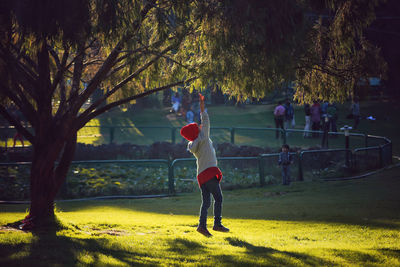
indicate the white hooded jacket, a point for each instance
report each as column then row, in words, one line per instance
column 202, row 147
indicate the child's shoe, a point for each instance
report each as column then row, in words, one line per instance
column 220, row 228
column 203, row 231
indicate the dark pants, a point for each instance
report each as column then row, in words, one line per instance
column 315, row 127
column 285, row 174
column 356, row 121
column 332, row 125
column 278, row 124
column 208, row 188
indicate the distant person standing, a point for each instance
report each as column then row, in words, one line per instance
column 195, row 107
column 315, row 117
column 176, row 103
column 289, row 115
column 324, row 108
column 307, row 127
column 18, row 136
column 332, row 114
column 285, row 159
column 186, row 102
column 189, row 116
column 279, row 116
column 355, row 111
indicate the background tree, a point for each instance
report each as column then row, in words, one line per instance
column 50, row 49
column 253, row 47
column 338, row 56
column 384, row 32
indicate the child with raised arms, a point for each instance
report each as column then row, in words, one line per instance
column 208, row 173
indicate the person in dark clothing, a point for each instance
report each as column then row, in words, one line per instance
column 285, row 159
column 332, row 114
column 307, row 112
column 289, row 116
column 279, row 116
column 315, row 117
column 355, row 111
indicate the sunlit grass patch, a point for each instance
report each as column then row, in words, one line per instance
column 90, row 134
column 306, row 224
column 9, row 142
column 168, row 239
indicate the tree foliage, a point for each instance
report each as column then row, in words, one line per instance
column 56, row 54
column 252, row 47
column 125, row 47
column 339, row 56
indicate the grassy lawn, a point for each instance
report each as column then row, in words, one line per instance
column 387, row 124
column 98, row 132
column 309, row 223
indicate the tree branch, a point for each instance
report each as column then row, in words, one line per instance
column 26, row 107
column 82, row 120
column 143, row 48
column 17, row 96
column 44, row 83
column 111, row 59
column 126, row 80
column 60, row 65
column 77, row 74
column 21, row 53
column 171, row 59
column 93, row 62
column 17, row 124
column 21, row 73
column 65, row 161
column 63, row 99
column 129, row 53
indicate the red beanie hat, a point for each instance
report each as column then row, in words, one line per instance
column 190, row 131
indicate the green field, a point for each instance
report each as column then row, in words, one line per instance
column 307, row 224
column 387, row 124
column 249, row 116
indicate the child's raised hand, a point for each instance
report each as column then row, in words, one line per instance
column 201, row 97
column 201, row 102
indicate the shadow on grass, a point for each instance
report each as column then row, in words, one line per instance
column 392, row 253
column 49, row 249
column 356, row 257
column 185, row 247
column 271, row 256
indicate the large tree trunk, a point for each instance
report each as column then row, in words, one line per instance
column 43, row 186
column 51, row 161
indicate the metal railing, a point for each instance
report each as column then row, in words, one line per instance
column 324, row 162
column 265, row 166
column 169, row 133
column 242, row 171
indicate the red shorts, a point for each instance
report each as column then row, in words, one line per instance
column 208, row 174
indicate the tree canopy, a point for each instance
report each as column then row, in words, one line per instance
column 253, row 47
column 56, row 54
column 339, row 56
